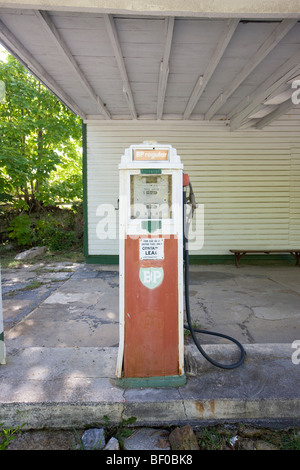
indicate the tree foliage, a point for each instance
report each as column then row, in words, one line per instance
column 40, row 158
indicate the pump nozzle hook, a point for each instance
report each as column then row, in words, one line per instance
column 191, row 199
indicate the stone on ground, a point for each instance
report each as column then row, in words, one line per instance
column 183, row 439
column 148, row 439
column 93, row 439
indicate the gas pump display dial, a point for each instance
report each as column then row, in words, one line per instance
column 151, row 196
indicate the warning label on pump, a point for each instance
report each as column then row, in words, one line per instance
column 152, row 248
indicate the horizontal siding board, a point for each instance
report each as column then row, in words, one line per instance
column 248, row 181
column 294, row 229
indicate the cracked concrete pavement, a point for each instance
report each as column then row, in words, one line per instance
column 61, row 333
column 77, row 304
column 254, row 304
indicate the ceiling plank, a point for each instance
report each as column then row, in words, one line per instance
column 285, row 72
column 164, row 67
column 17, row 49
column 282, row 109
column 215, row 59
column 51, row 29
column 275, row 37
column 114, row 39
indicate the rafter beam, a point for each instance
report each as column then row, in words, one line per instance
column 16, row 48
column 115, row 43
column 164, row 68
column 282, row 109
column 244, row 109
column 275, row 37
column 214, row 61
column 52, row 31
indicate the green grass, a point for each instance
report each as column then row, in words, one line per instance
column 290, row 440
column 72, row 256
column 8, row 434
column 210, row 439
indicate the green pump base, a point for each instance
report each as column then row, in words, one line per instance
column 152, row 382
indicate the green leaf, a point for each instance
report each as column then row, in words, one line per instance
column 40, row 141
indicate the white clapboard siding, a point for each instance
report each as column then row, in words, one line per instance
column 295, row 198
column 248, row 181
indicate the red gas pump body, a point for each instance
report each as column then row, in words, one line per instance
column 151, row 315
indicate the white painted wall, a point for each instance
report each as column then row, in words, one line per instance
column 248, row 180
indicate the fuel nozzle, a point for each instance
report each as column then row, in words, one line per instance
column 191, row 199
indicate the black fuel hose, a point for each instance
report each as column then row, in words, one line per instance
column 188, row 316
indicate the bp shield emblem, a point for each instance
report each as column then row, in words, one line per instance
column 151, row 277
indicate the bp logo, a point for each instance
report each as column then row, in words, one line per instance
column 151, row 277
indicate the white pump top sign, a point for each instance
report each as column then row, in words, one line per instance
column 139, row 156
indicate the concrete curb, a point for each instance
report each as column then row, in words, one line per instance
column 76, row 387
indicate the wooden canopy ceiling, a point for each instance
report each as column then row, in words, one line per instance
column 118, row 66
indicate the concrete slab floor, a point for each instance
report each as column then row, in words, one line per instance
column 254, row 304
column 61, row 334
column 77, row 305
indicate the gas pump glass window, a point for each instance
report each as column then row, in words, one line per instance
column 151, row 197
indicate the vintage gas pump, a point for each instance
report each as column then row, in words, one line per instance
column 154, row 269
column 151, row 267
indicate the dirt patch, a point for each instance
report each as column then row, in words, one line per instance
column 220, row 437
